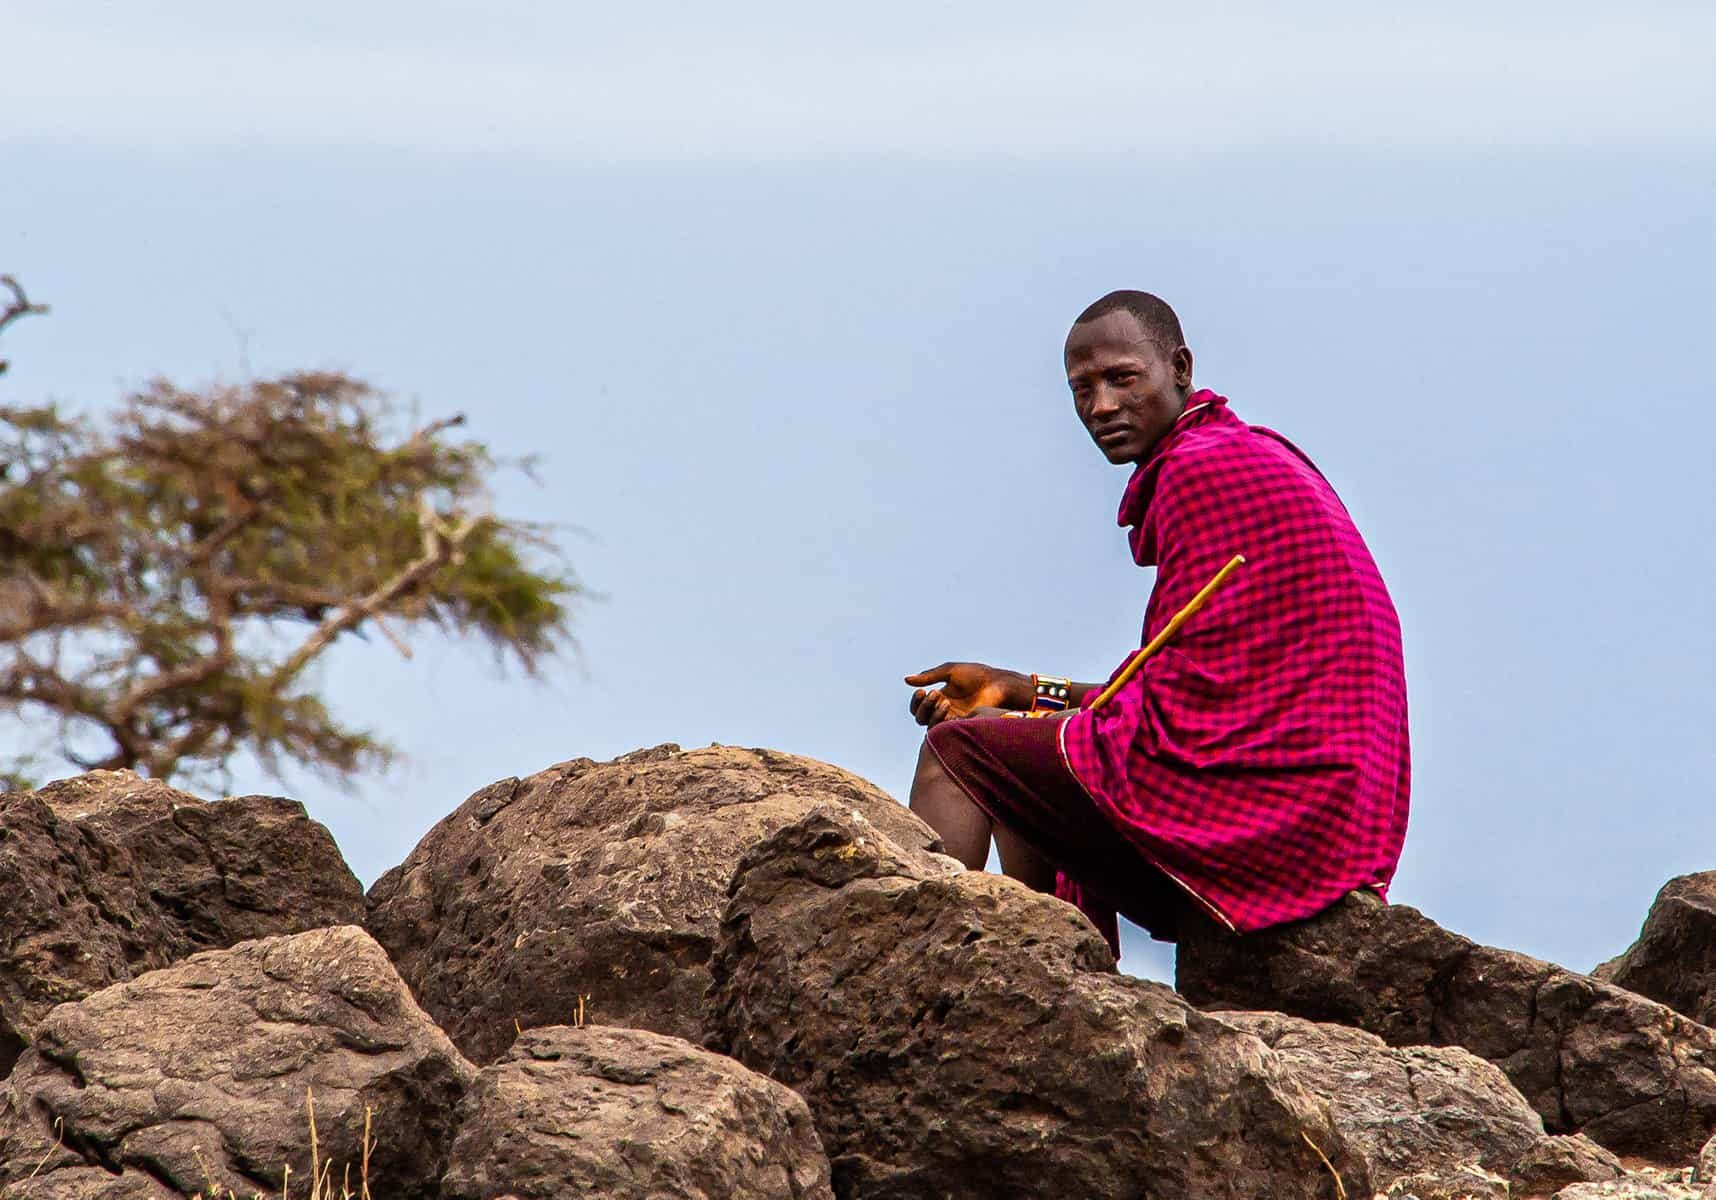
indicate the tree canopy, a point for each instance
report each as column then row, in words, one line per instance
column 170, row 571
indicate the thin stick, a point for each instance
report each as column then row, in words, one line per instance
column 1169, row 630
column 1340, row 1188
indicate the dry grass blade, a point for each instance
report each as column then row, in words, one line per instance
column 1340, row 1188
column 59, row 1140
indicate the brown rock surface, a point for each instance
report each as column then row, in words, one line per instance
column 1674, row 960
column 108, row 875
column 598, row 880
column 630, row 1115
column 1638, row 1185
column 958, row 1035
column 1632, row 1074
column 196, row 1075
column 1425, row 1115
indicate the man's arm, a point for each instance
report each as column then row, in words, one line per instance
column 968, row 687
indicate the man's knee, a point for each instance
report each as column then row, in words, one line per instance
column 929, row 766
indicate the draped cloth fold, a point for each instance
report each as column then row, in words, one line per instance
column 1261, row 760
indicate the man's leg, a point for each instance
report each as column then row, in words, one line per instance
column 963, row 827
column 966, row 829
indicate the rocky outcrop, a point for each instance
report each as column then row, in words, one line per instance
column 1634, row 1075
column 200, row 1076
column 630, row 1115
column 108, row 875
column 1427, row 1119
column 958, row 1035
column 1674, row 960
column 222, row 873
column 595, row 888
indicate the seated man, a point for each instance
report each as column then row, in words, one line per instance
column 1258, row 765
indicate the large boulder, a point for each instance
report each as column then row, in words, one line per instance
column 1674, row 960
column 630, row 1115
column 201, row 1075
column 108, row 875
column 1634, row 1075
column 594, row 890
column 958, row 1035
column 227, row 872
column 1427, row 1118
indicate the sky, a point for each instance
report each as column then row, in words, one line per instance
column 777, row 299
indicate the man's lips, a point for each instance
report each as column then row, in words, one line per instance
column 1113, row 433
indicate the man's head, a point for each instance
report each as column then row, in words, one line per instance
column 1129, row 371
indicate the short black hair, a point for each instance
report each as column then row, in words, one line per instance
column 1160, row 324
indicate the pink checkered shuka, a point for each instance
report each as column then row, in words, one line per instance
column 1261, row 758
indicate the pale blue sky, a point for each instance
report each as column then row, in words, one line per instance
column 779, row 303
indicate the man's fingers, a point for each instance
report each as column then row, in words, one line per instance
column 933, row 675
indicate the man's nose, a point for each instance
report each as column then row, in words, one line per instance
column 1103, row 401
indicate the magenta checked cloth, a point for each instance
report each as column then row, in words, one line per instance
column 1261, row 758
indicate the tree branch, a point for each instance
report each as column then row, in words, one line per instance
column 440, row 543
column 18, row 306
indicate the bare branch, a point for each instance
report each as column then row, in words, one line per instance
column 18, row 306
column 440, row 544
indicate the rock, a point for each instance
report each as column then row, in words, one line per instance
column 198, row 1076
column 1469, row 1182
column 1556, row 1162
column 244, row 868
column 1590, row 1057
column 958, row 1035
column 108, row 875
column 1430, row 1120
column 594, row 888
column 1638, row 1185
column 1706, row 1167
column 630, row 1115
column 1674, row 960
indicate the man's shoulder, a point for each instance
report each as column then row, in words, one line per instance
column 1230, row 445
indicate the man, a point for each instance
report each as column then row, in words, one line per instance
column 1258, row 766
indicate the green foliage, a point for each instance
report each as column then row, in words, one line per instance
column 168, row 574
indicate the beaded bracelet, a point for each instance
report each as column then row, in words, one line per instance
column 1050, row 693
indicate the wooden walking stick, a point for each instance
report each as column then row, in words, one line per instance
column 1169, row 630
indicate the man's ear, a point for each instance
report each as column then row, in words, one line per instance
column 1181, row 361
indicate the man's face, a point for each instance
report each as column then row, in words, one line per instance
column 1126, row 390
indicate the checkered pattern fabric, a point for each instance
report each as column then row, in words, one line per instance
column 1261, row 759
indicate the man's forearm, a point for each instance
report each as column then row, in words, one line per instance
column 1078, row 691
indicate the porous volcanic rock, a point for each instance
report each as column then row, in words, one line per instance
column 1590, row 1057
column 199, row 1075
column 1429, row 1119
column 227, row 872
column 630, row 1115
column 1674, row 960
column 958, row 1035
column 108, row 875
column 595, row 888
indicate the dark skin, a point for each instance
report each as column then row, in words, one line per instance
column 1128, row 392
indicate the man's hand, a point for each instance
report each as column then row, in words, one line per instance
column 966, row 687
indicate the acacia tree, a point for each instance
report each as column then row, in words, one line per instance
column 169, row 573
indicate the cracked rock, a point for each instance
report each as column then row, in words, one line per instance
column 1635, row 1076
column 1429, row 1119
column 108, row 875
column 958, row 1035
column 199, row 1076
column 593, row 890
column 1674, row 960
column 630, row 1115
